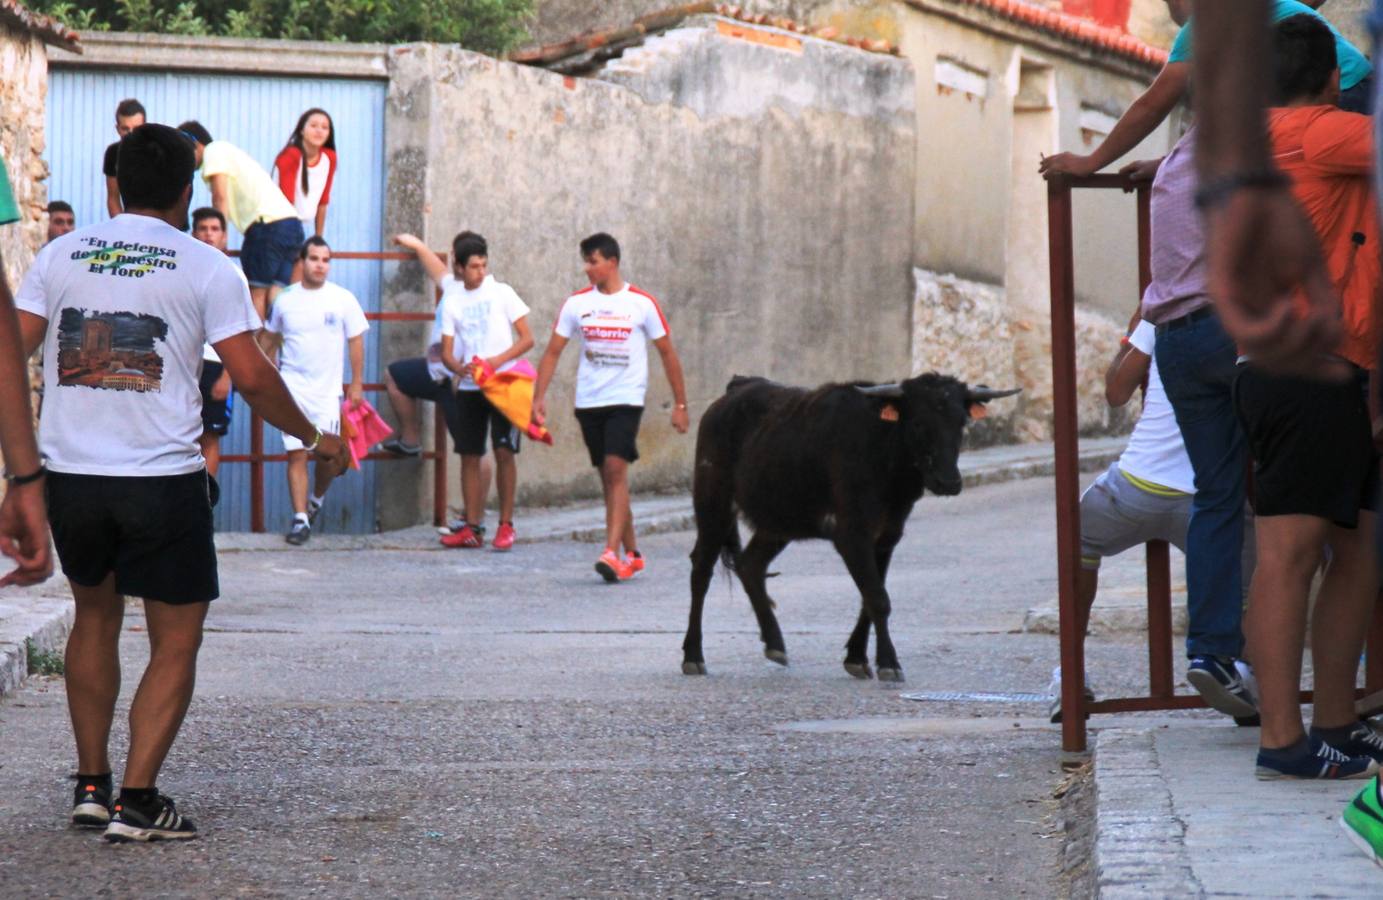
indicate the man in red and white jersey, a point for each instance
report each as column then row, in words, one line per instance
column 615, row 322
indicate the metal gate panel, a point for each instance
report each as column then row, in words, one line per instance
column 256, row 113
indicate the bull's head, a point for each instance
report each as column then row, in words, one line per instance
column 933, row 411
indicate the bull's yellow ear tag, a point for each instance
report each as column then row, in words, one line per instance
column 977, row 411
column 888, row 412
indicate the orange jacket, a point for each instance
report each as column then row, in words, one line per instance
column 1328, row 155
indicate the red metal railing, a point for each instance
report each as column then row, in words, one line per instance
column 1161, row 690
column 437, row 455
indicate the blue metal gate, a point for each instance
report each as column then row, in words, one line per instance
column 257, row 113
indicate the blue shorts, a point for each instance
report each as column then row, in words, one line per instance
column 269, row 251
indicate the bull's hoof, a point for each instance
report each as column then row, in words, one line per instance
column 859, row 670
column 778, row 656
column 890, row 674
column 693, row 668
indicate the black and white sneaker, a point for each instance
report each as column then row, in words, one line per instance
column 1226, row 684
column 160, row 823
column 91, row 802
column 299, row 533
column 313, row 508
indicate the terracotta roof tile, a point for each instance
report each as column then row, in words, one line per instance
column 46, row 28
column 1073, row 28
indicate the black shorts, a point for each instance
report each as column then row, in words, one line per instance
column 412, row 378
column 216, row 414
column 610, row 431
column 476, row 415
column 154, row 533
column 1311, row 445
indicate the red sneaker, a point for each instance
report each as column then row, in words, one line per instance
column 504, row 537
column 466, row 538
column 612, row 568
column 634, row 560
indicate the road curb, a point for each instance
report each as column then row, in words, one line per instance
column 46, row 627
column 1140, row 843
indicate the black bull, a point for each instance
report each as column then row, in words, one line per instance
column 843, row 462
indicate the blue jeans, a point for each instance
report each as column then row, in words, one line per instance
column 1197, row 365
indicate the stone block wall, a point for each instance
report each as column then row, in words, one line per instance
column 968, row 329
column 23, row 89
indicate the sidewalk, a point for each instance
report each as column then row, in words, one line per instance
column 1180, row 814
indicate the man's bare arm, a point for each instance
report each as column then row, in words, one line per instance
column 547, row 367
column 260, row 384
column 113, row 204
column 1138, row 121
column 23, row 517
column 672, row 365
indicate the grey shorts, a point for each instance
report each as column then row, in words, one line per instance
column 1116, row 514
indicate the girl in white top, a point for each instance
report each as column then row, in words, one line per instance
column 306, row 167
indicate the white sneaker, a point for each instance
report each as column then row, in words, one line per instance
column 1054, row 710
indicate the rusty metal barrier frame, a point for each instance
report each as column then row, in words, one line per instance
column 256, row 458
column 1161, row 690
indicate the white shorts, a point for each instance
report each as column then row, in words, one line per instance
column 323, row 412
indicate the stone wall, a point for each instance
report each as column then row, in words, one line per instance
column 23, row 87
column 764, row 194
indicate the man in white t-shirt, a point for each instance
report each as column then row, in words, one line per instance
column 121, row 310
column 417, row 378
column 480, row 320
column 312, row 325
column 209, row 227
column 615, row 322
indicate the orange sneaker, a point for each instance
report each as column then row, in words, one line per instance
column 504, row 537
column 466, row 538
column 634, row 560
column 612, row 568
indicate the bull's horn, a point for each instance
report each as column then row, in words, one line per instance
column 983, row 393
column 891, row 391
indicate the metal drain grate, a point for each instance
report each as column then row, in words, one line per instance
column 977, row 697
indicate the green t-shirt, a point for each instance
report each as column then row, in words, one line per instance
column 1354, row 66
column 9, row 210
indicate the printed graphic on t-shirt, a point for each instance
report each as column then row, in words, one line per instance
column 605, row 337
column 111, row 351
column 125, row 259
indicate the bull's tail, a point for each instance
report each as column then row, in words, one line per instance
column 731, row 550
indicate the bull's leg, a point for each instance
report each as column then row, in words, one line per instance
column 753, row 572
column 862, row 561
column 857, row 647
column 703, row 559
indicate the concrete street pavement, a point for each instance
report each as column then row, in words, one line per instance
column 393, row 718
column 428, row 722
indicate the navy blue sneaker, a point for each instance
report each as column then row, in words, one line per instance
column 1323, row 761
column 1363, row 741
column 1227, row 685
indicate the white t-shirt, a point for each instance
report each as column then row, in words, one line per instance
column 315, row 325
column 1155, row 451
column 209, row 353
column 615, row 330
column 480, row 322
column 129, row 304
column 305, row 202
